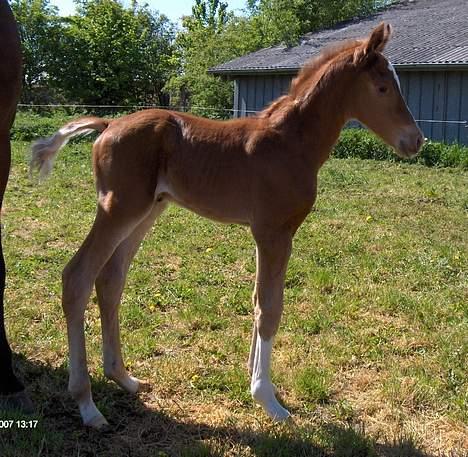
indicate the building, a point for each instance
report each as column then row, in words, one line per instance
column 429, row 50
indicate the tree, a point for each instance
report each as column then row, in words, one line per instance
column 39, row 30
column 277, row 21
column 210, row 14
column 114, row 55
column 209, row 36
column 274, row 21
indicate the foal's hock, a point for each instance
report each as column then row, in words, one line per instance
column 259, row 171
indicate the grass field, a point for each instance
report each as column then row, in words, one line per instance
column 371, row 356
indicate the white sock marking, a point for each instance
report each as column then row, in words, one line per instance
column 261, row 387
column 91, row 416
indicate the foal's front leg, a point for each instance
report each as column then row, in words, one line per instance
column 272, row 259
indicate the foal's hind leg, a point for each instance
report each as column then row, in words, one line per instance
column 109, row 287
column 109, row 230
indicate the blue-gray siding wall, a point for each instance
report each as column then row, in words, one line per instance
column 253, row 93
column 431, row 96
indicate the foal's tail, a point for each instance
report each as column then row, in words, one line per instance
column 44, row 150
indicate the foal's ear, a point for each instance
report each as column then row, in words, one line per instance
column 379, row 38
column 376, row 42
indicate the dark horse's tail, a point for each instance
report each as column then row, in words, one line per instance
column 43, row 151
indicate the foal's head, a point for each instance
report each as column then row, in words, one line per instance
column 378, row 102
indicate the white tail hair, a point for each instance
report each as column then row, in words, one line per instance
column 44, row 150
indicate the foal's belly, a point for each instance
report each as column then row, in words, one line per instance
column 215, row 205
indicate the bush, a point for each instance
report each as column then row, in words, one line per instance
column 30, row 126
column 362, row 144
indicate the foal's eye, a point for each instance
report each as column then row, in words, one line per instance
column 383, row 89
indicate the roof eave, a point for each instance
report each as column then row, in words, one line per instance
column 428, row 66
column 253, row 71
column 423, row 66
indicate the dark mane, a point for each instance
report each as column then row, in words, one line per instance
column 311, row 73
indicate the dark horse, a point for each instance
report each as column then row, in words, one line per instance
column 12, row 393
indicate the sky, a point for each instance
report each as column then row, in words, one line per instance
column 173, row 9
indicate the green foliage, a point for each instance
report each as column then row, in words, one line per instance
column 439, row 154
column 105, row 54
column 39, row 30
column 208, row 13
column 209, row 36
column 114, row 55
column 31, row 126
column 276, row 21
column 362, row 144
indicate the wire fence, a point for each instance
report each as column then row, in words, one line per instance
column 233, row 112
column 128, row 107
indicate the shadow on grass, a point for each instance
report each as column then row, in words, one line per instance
column 136, row 430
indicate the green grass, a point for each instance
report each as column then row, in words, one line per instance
column 371, row 355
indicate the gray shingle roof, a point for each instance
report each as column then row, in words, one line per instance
column 426, row 32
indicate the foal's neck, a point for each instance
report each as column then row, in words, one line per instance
column 323, row 114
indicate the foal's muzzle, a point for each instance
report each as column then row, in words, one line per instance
column 410, row 143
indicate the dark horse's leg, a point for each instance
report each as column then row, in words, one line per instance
column 12, row 393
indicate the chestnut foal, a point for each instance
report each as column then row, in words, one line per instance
column 259, row 171
column 12, row 393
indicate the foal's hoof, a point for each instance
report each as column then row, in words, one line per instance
column 263, row 394
column 133, row 385
column 18, row 401
column 97, row 422
column 279, row 414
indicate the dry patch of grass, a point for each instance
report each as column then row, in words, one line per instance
column 372, row 353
